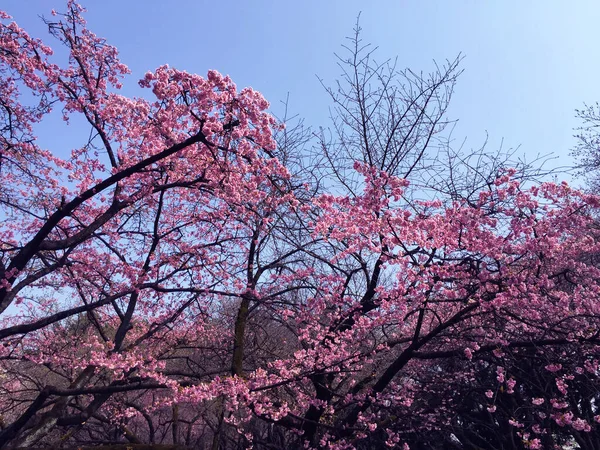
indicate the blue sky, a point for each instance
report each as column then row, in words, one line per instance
column 527, row 66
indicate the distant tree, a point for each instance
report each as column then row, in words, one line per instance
column 587, row 149
column 192, row 275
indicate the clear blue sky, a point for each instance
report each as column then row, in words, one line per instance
column 528, row 64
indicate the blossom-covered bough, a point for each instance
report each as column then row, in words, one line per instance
column 171, row 281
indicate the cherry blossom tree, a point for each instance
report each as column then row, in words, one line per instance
column 184, row 276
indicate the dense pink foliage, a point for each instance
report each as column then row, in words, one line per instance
column 172, row 270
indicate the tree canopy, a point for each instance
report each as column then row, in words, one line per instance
column 199, row 273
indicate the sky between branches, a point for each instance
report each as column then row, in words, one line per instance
column 528, row 64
